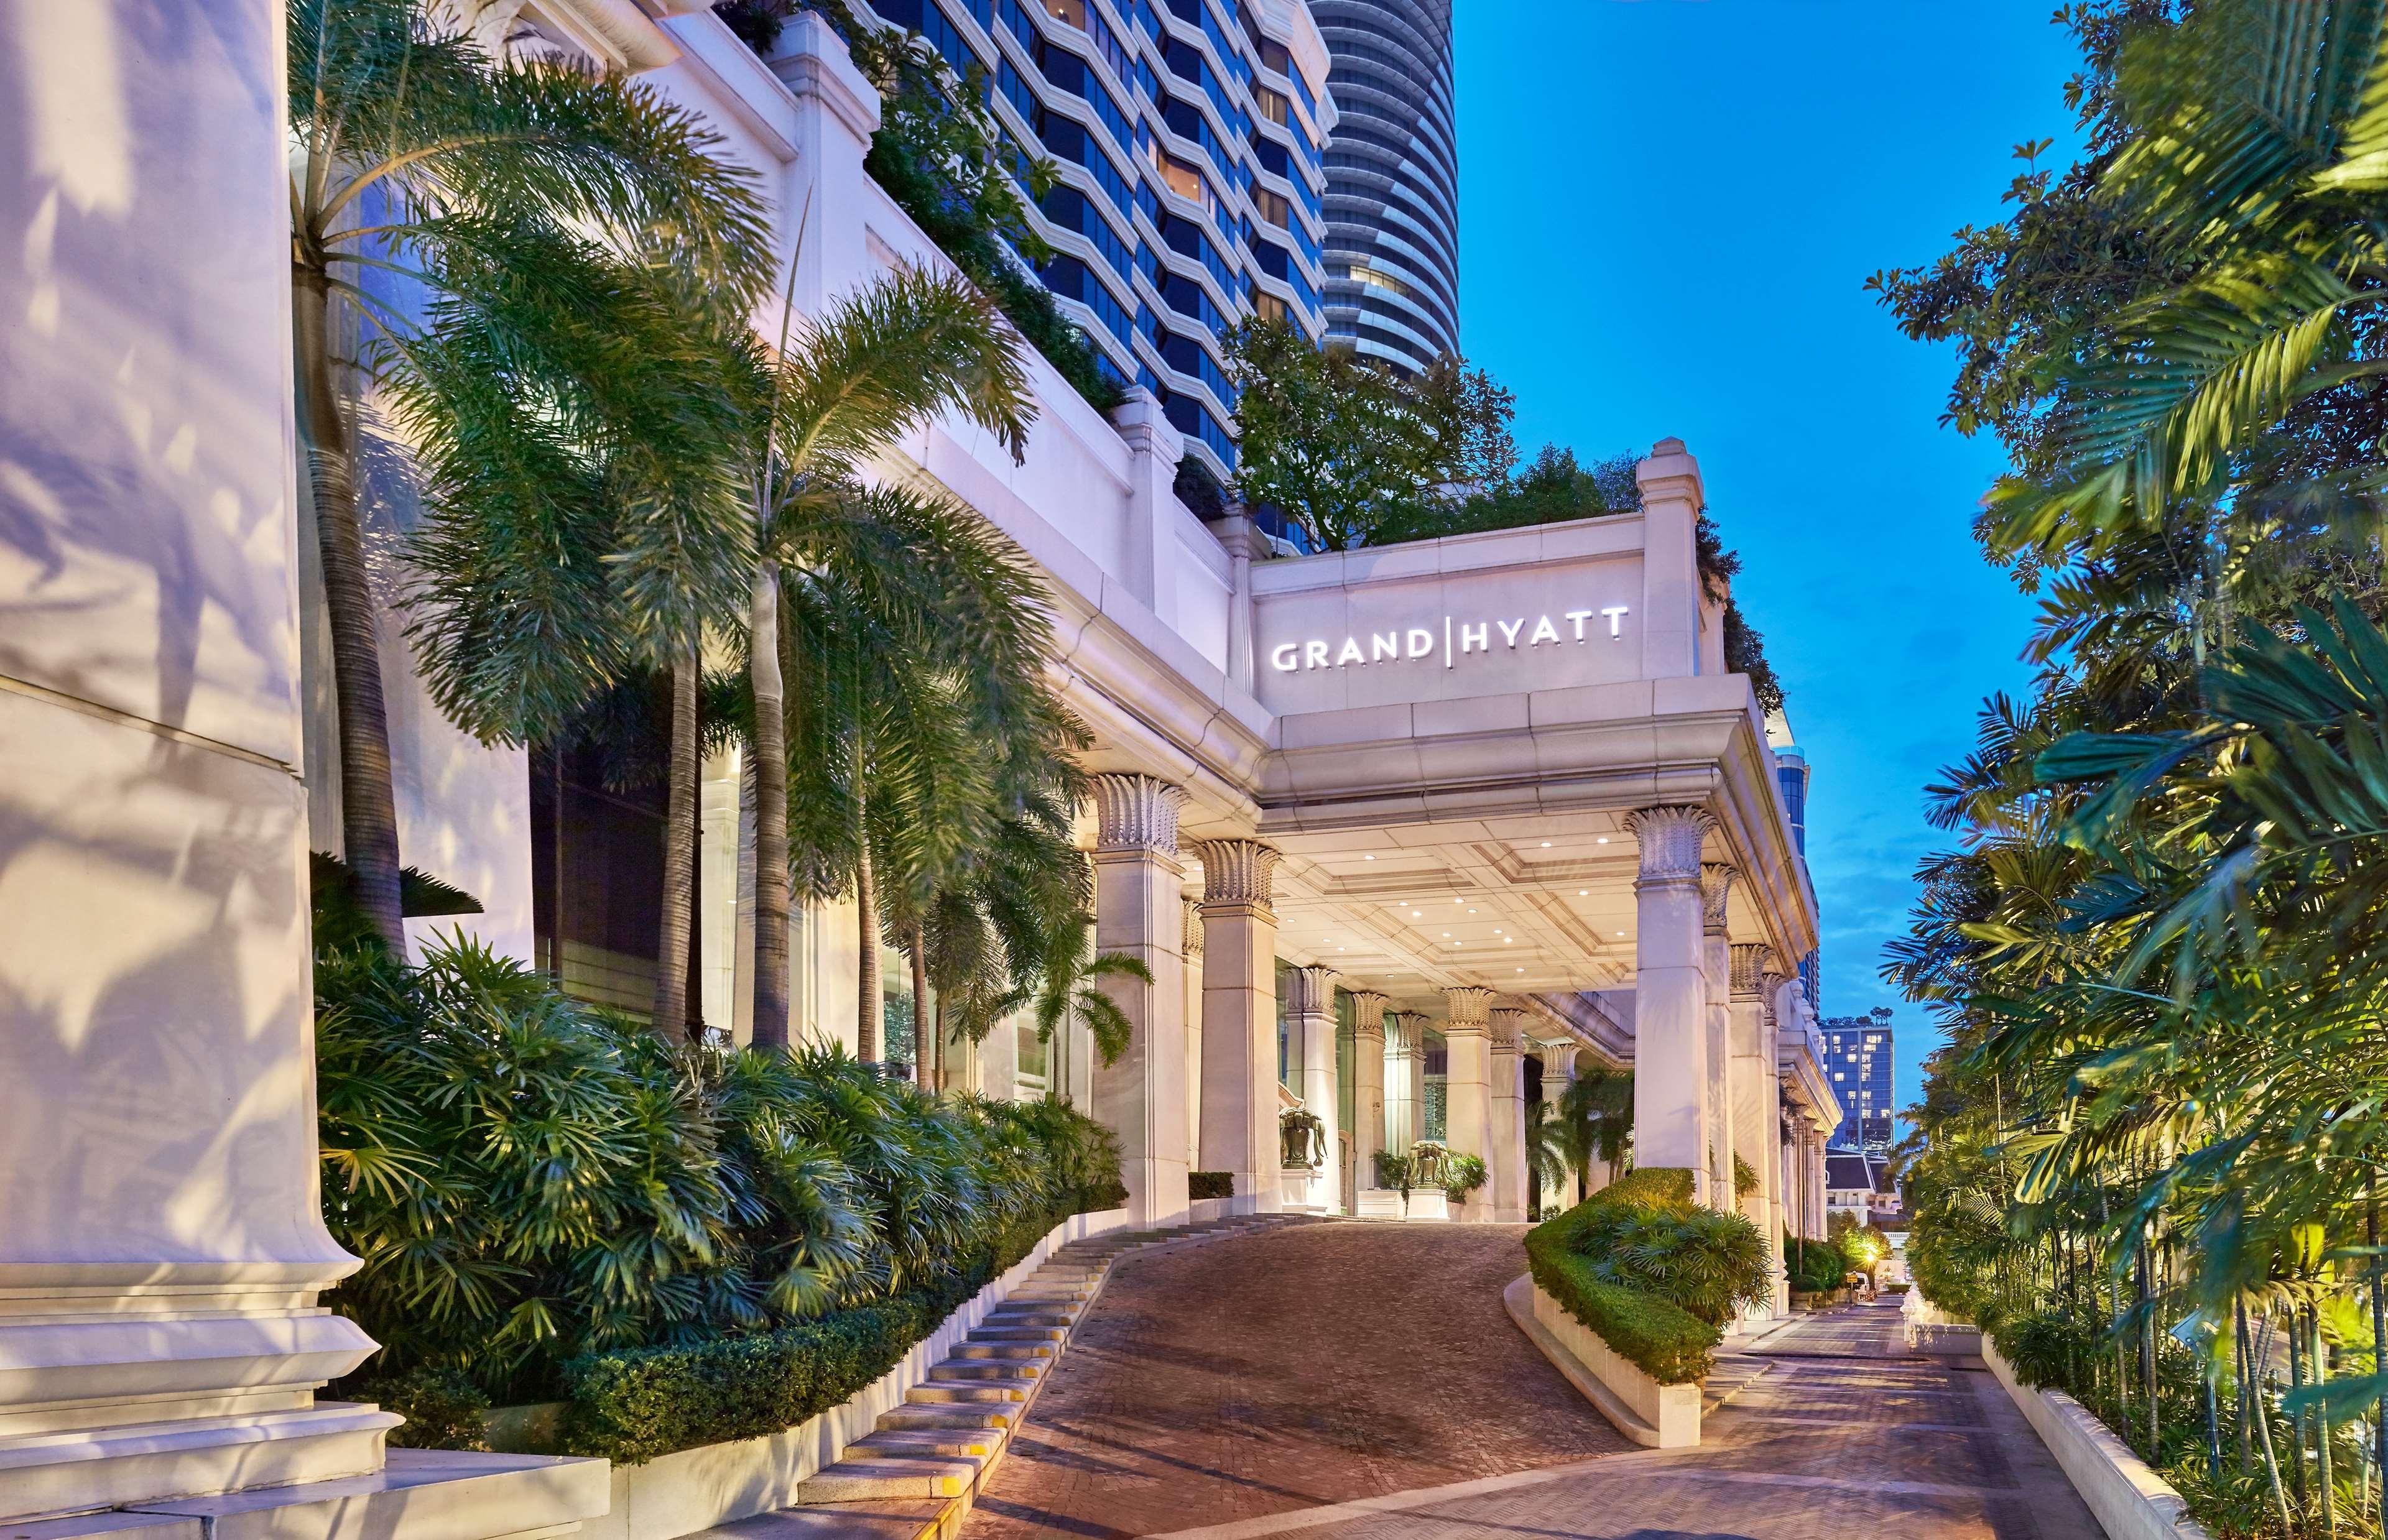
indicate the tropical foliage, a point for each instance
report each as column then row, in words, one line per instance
column 1591, row 1120
column 502, row 242
column 2148, row 1158
column 528, row 1181
column 1649, row 1272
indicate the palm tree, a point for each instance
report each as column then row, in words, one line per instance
column 1067, row 992
column 2257, row 167
column 425, row 173
column 839, row 391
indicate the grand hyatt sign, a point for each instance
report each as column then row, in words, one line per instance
column 1456, row 639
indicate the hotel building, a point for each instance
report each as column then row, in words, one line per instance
column 1404, row 835
column 1186, row 138
column 1392, row 180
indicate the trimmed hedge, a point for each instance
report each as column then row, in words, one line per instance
column 1210, row 1184
column 1663, row 1340
column 635, row 1404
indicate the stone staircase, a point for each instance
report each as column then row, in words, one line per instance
column 916, row 1476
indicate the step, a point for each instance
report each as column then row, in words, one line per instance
column 855, row 1480
column 1049, row 1291
column 1030, row 1317
column 1013, row 1351
column 885, row 1518
column 1001, row 1334
column 986, row 1368
column 947, row 1417
column 933, row 1443
column 970, row 1390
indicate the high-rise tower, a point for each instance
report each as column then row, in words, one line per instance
column 1392, row 178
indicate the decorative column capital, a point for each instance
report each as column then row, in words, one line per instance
column 1369, row 1014
column 1237, row 873
column 1716, row 885
column 1135, row 812
column 1193, row 944
column 1508, row 1029
column 1670, row 838
column 1408, row 1033
column 1753, row 965
column 1472, row 1008
column 1314, row 990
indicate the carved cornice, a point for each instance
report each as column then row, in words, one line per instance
column 1716, row 886
column 1471, row 1006
column 1136, row 813
column 1407, row 1036
column 1313, row 990
column 1752, row 966
column 1670, row 839
column 1508, row 1029
column 1369, row 1014
column 1237, row 872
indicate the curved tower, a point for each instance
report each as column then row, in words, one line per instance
column 1392, row 178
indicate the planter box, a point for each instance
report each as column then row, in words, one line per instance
column 697, row 1489
column 1428, row 1203
column 1655, row 1416
column 1204, row 1210
column 1380, row 1202
column 2130, row 1500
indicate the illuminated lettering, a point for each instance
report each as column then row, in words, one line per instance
column 1313, row 654
column 1509, row 629
column 1578, row 617
column 1421, row 642
column 1351, row 653
column 1476, row 638
column 1544, row 631
column 1615, row 612
column 1383, row 645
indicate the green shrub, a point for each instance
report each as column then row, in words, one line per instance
column 1658, row 1335
column 443, row 1408
column 1393, row 1170
column 1210, row 1184
column 1463, row 1174
column 1815, row 1266
column 1709, row 1263
column 530, row 1181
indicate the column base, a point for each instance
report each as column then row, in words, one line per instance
column 78, row 1470
column 1303, row 1190
column 421, row 1495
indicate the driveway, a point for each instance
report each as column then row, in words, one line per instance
column 1305, row 1367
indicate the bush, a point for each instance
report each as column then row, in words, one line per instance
column 1393, row 1170
column 1657, row 1335
column 529, row 1180
column 443, row 1409
column 1815, row 1266
column 1210, row 1184
column 1463, row 1174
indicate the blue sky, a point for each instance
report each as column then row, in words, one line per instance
column 1669, row 209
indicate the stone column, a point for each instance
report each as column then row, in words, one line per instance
column 1310, row 1014
column 162, row 1242
column 1716, row 972
column 1671, row 590
column 1671, row 1070
column 1467, row 1084
column 1562, row 1059
column 1368, row 1066
column 1138, row 913
column 1404, row 1080
column 1507, row 1158
column 1192, row 909
column 720, row 1002
column 1755, row 1092
column 837, row 111
column 1239, row 1019
column 1154, row 448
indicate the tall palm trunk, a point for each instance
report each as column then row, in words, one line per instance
column 770, row 1001
column 680, row 853
column 925, row 1039
column 867, row 1010
column 368, row 805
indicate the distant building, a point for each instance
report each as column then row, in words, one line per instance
column 1857, row 1183
column 1857, row 1057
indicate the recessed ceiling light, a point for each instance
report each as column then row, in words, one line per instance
column 1446, row 934
column 1509, row 940
column 1546, row 844
column 1339, row 948
column 1367, row 858
column 1602, row 841
column 1583, row 892
column 1418, row 914
column 1621, row 935
column 1521, row 970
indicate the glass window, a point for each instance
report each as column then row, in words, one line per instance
column 1272, row 105
column 1273, row 208
column 1071, row 11
column 1269, row 307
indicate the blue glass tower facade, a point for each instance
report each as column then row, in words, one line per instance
column 1857, row 1056
column 1189, row 137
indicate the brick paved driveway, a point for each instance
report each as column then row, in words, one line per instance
column 1311, row 1365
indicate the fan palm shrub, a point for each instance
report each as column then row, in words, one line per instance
column 427, row 175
